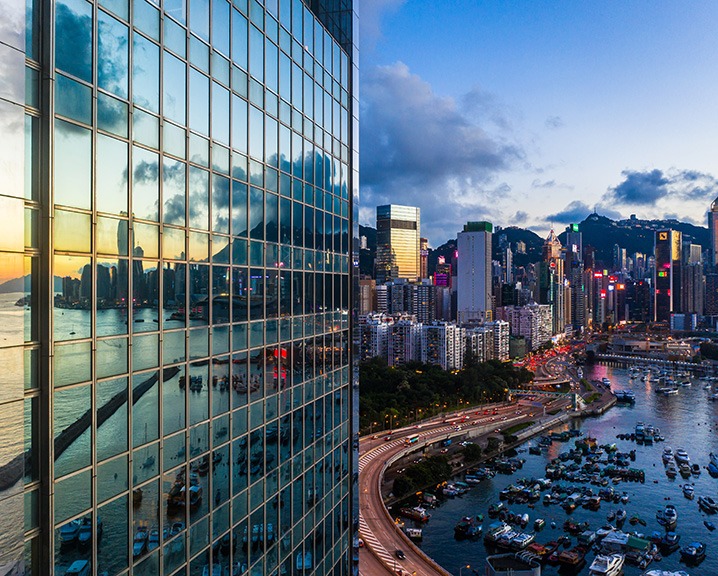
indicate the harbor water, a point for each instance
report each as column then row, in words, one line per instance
column 687, row 420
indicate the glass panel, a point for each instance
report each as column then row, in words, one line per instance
column 175, row 83
column 72, row 231
column 72, row 305
column 111, row 183
column 173, row 181
column 145, row 183
column 174, row 394
column 220, row 26
column 73, row 40
column 198, row 149
column 175, row 36
column 198, row 102
column 113, row 57
column 119, row 7
column 199, row 198
column 147, row 19
column 145, row 352
column 198, row 247
column 72, row 432
column 177, row 9
column 199, row 18
column 256, row 133
column 145, row 73
column 112, row 478
column 220, row 204
column 111, row 357
column 220, row 113
column 146, row 507
column 239, row 39
column 146, row 241
column 112, row 115
column 256, row 213
column 72, row 363
column 73, row 100
column 145, row 402
column 111, row 399
column 112, row 555
column 145, row 129
column 239, row 124
column 175, row 141
column 173, row 246
column 73, row 172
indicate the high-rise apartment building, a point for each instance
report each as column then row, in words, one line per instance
column 398, row 233
column 177, row 185
column 423, row 258
column 473, row 277
column 667, row 275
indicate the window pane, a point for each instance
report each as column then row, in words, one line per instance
column 199, row 102
column 73, row 100
column 73, row 41
column 112, row 115
column 145, row 183
column 113, row 48
column 72, row 165
column 146, row 73
column 174, row 88
column 111, row 183
column 220, row 113
column 173, row 182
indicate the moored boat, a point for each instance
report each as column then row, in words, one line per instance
column 688, row 491
column 694, row 553
column 607, row 565
column 707, row 504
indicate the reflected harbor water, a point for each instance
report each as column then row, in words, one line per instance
column 688, row 420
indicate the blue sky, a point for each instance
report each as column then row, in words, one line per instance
column 532, row 113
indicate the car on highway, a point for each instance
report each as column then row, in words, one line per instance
column 443, row 451
column 387, row 437
column 400, row 554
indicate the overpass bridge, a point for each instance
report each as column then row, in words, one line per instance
column 522, row 396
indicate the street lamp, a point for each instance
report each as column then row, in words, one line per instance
column 462, row 569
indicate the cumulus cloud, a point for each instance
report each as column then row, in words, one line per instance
column 574, row 212
column 519, row 218
column 419, row 147
column 649, row 188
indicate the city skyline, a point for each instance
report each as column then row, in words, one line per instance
column 582, row 106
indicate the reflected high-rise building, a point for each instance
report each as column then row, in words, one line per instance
column 667, row 275
column 179, row 185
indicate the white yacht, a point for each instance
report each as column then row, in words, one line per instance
column 607, row 565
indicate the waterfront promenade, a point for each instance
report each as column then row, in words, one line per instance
column 381, row 536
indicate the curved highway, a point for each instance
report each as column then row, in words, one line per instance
column 381, row 537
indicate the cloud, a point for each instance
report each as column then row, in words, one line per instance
column 370, row 19
column 575, row 211
column 519, row 218
column 418, row 146
column 554, row 122
column 649, row 188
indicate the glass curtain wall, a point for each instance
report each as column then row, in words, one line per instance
column 177, row 202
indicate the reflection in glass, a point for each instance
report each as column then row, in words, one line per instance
column 113, row 57
column 73, row 172
column 73, row 100
column 256, row 213
column 146, row 240
column 147, row 19
column 112, row 554
column 199, row 18
column 175, row 140
column 145, row 73
column 112, row 115
column 174, row 88
column 198, row 198
column 73, row 40
column 145, row 128
column 111, row 357
column 220, row 113
column 175, row 36
column 72, row 431
column 239, row 124
column 145, row 183
column 145, row 424
column 112, row 478
column 198, row 247
column 199, row 102
column 111, row 183
column 220, row 204
column 72, row 318
column 72, row 231
column 111, row 399
column 174, row 391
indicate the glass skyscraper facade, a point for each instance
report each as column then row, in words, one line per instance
column 398, row 234
column 178, row 196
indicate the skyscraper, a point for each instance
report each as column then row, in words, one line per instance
column 667, row 274
column 713, row 227
column 473, row 277
column 398, row 233
column 177, row 200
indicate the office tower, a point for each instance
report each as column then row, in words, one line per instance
column 575, row 275
column 398, row 230
column 507, row 265
column 367, row 296
column 713, row 227
column 667, row 274
column 176, row 196
column 424, row 258
column 551, row 281
column 473, row 278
